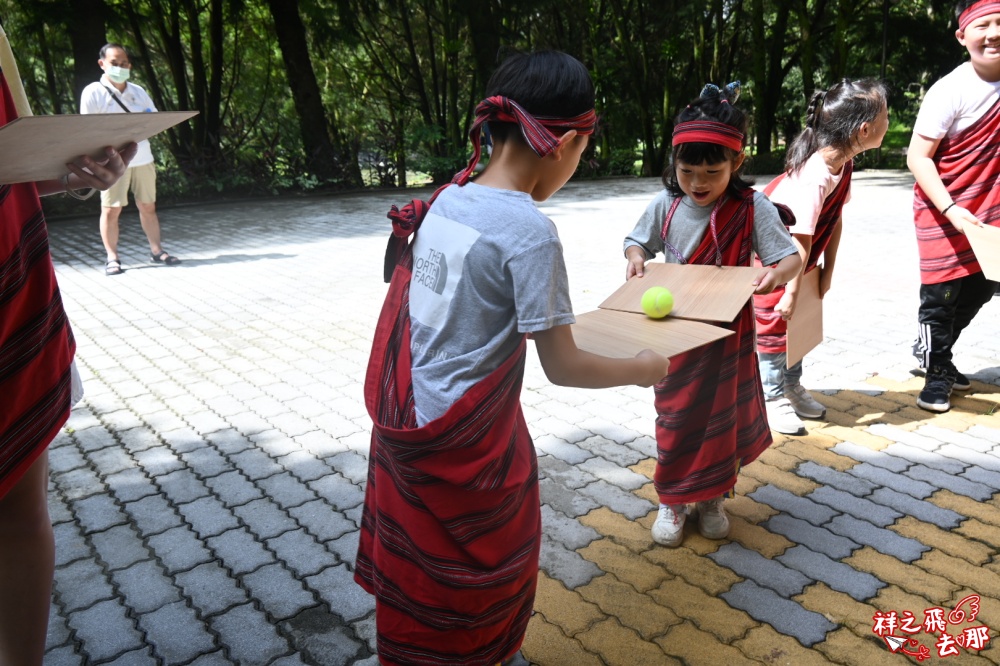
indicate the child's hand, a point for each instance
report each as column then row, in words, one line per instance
column 786, row 305
column 102, row 174
column 959, row 217
column 654, row 367
column 636, row 262
column 766, row 282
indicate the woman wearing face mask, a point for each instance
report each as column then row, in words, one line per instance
column 115, row 94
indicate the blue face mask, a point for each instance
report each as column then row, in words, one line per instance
column 118, row 74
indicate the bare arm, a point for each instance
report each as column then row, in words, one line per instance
column 919, row 159
column 102, row 174
column 566, row 365
column 779, row 274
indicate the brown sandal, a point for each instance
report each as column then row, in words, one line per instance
column 164, row 257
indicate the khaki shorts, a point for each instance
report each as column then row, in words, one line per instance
column 141, row 180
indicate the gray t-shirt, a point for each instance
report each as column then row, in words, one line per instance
column 487, row 267
column 771, row 241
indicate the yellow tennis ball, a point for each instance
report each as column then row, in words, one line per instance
column 657, row 302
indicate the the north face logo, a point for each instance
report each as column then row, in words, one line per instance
column 431, row 271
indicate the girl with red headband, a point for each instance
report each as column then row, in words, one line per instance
column 451, row 527
column 710, row 409
column 842, row 122
column 955, row 157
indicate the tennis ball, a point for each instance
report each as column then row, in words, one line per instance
column 657, row 302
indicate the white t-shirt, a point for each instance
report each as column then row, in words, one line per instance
column 487, row 268
column 955, row 102
column 97, row 98
column 805, row 192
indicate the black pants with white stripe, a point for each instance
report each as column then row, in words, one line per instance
column 945, row 310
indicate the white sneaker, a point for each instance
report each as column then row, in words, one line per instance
column 803, row 403
column 712, row 520
column 668, row 530
column 781, row 417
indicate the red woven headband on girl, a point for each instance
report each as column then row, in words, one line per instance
column 534, row 128
column 977, row 10
column 708, row 131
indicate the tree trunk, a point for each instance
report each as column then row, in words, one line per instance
column 321, row 155
column 87, row 34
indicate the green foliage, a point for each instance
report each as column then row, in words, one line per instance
column 397, row 80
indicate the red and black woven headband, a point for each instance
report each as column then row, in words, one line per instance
column 708, row 131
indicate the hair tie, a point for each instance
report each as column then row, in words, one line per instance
column 728, row 93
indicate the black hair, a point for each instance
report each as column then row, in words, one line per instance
column 962, row 5
column 544, row 83
column 113, row 45
column 714, row 105
column 834, row 117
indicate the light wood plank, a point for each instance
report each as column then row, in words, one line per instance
column 985, row 243
column 805, row 328
column 620, row 334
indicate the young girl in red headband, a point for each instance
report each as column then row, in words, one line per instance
column 710, row 408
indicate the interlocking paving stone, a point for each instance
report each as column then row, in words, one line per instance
column 177, row 633
column 286, row 490
column 120, row 547
column 855, row 506
column 841, row 577
column 130, row 485
column 867, row 455
column 565, row 530
column 920, row 509
column 179, row 549
column 561, row 449
column 985, row 477
column 320, row 636
column 104, row 630
column 70, row 544
column 278, row 591
column 78, row 483
column 182, row 486
column 81, row 583
column 769, row 573
column 817, row 538
column 208, row 516
column 613, row 473
column 883, row 540
column 926, row 458
column 239, row 550
column 337, row 588
column 66, row 460
column 248, row 636
column 265, row 518
column 786, row 616
column 145, row 586
column 790, row 503
column 831, row 477
column 618, row 500
column 566, row 475
column 301, row 552
column 337, row 490
column 210, row 588
column 564, row 500
column 890, row 479
column 111, row 460
column 321, row 520
column 158, row 461
column 565, row 565
column 956, row 484
column 255, row 464
column 233, row 489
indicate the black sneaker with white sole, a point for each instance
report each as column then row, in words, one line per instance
column 937, row 389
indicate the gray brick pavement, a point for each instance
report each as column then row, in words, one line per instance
column 206, row 494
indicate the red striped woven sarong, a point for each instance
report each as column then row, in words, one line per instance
column 710, row 408
column 969, row 165
column 451, row 527
column 772, row 330
column 36, row 344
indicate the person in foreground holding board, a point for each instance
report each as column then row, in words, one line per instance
column 451, row 529
column 710, row 408
column 38, row 383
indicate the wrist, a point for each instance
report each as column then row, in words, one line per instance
column 944, row 211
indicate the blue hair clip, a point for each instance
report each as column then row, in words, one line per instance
column 729, row 93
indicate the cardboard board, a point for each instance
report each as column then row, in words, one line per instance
column 985, row 243
column 805, row 328
column 45, row 144
column 707, row 293
column 620, row 334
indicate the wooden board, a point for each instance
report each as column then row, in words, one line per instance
column 620, row 334
column 45, row 144
column 985, row 243
column 805, row 328
column 706, row 293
